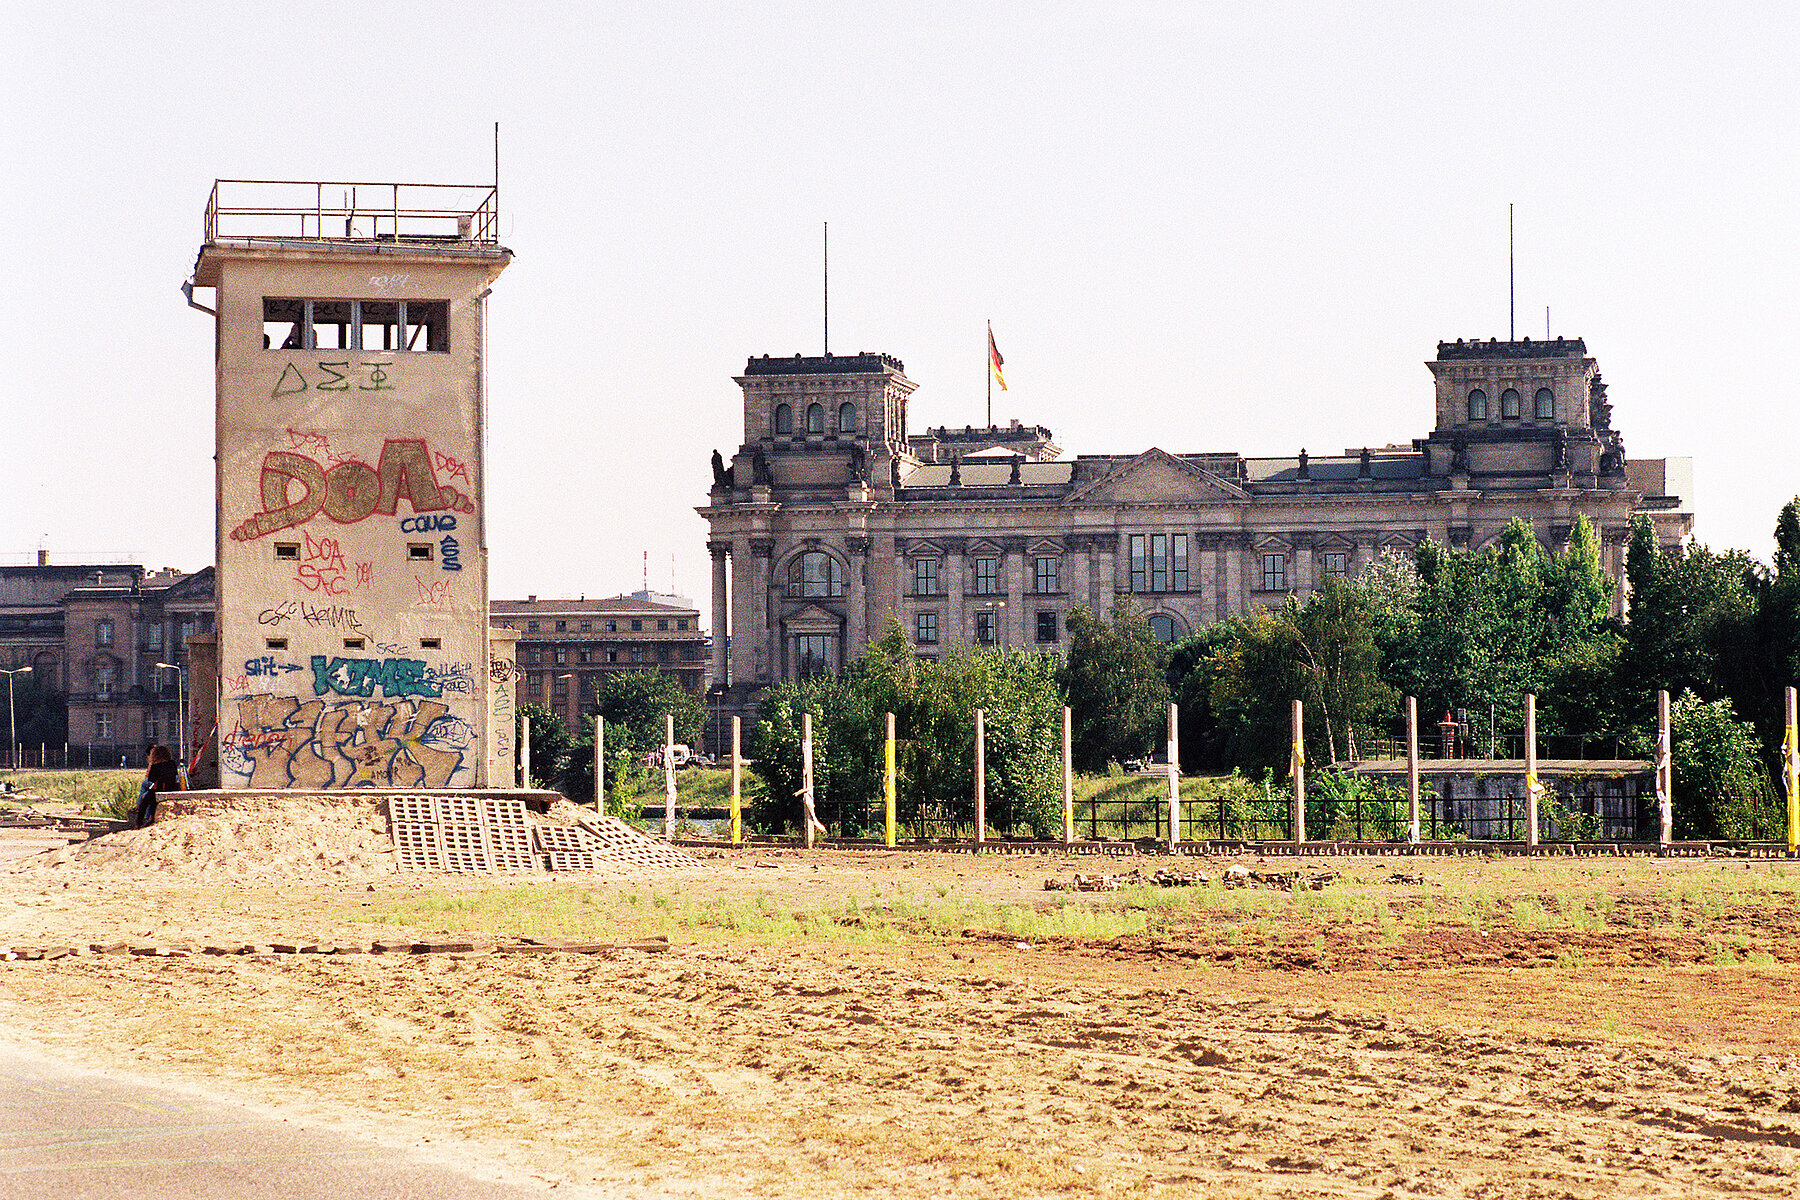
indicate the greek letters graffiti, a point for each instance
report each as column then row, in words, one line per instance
column 333, row 377
column 365, row 676
column 349, row 491
column 430, row 523
column 280, row 742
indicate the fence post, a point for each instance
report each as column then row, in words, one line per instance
column 1068, row 777
column 668, row 775
column 1790, row 761
column 524, row 751
column 809, row 817
column 599, row 765
column 1297, row 768
column 1174, row 778
column 1665, row 791
column 737, row 782
column 887, row 781
column 980, row 777
column 1412, row 770
column 1532, row 787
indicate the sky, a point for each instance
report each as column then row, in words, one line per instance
column 1203, row 227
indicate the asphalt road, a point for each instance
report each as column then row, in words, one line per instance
column 67, row 1133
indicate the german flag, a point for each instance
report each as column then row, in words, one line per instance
column 995, row 362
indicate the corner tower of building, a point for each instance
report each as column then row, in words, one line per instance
column 353, row 646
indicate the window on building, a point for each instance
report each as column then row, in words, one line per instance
column 612, row 627
column 1478, row 405
column 690, row 654
column 534, row 684
column 562, row 657
column 1337, row 563
column 984, row 628
column 612, row 656
column 1159, row 562
column 681, row 622
column 587, row 627
column 784, row 418
column 1509, row 404
column 581, row 656
column 637, row 654
column 187, row 631
column 1046, row 627
column 400, row 326
column 153, row 635
column 815, row 573
column 987, row 576
column 418, row 552
column 662, row 624
column 1544, row 404
column 103, row 726
column 1162, row 628
column 531, row 627
column 925, row 628
column 812, row 655
column 562, row 627
column 103, row 682
column 815, row 418
column 637, row 624
column 1274, row 572
column 846, row 418
column 925, row 576
column 662, row 654
column 103, row 633
column 1044, row 576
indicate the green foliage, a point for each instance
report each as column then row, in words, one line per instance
column 549, row 745
column 634, row 704
column 40, row 712
column 1194, row 664
column 1343, row 807
column 1721, row 789
column 1113, row 679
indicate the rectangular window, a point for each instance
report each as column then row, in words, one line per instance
column 637, row 625
column 531, row 627
column 562, row 657
column 663, row 625
column 925, row 577
column 391, row 326
column 353, row 643
column 812, row 655
column 1274, row 572
column 187, row 631
column 984, row 628
column 418, row 552
column 612, row 656
column 287, row 551
column 562, row 627
column 431, row 643
column 681, row 623
column 1159, row 562
column 103, row 633
column 925, row 628
column 1044, row 576
column 1178, row 562
column 103, row 682
column 612, row 627
column 1140, row 565
column 581, row 656
column 587, row 627
column 103, row 726
column 274, row 643
column 535, row 685
column 154, row 635
column 662, row 654
column 1337, row 563
column 987, row 576
column 637, row 654
column 1046, row 627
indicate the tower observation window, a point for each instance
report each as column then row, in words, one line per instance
column 392, row 326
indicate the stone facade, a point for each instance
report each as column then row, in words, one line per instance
column 832, row 518
column 567, row 648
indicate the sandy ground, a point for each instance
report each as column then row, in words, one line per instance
column 1260, row 1057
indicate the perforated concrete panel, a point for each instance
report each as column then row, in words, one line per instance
column 474, row 834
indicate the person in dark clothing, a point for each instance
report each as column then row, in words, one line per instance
column 161, row 777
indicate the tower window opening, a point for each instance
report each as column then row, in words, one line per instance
column 784, row 418
column 390, row 326
column 815, row 418
column 1544, row 404
column 846, row 418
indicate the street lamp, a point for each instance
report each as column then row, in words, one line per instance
column 12, row 720
column 180, row 716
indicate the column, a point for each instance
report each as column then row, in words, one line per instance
column 720, row 613
column 1073, row 573
column 954, row 627
column 1014, row 565
column 856, row 599
column 1237, row 582
column 764, row 659
column 1300, row 571
column 1206, row 545
column 1106, row 582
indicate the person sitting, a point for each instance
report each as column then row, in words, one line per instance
column 162, row 776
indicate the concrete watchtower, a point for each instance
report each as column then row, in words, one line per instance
column 353, row 643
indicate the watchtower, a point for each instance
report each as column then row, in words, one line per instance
column 353, row 644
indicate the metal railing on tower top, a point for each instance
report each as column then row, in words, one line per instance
column 339, row 211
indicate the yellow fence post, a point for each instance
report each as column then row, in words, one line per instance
column 888, row 782
column 737, row 782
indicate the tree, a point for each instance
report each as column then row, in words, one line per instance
column 635, row 702
column 1721, row 789
column 1113, row 679
column 1194, row 663
column 549, row 745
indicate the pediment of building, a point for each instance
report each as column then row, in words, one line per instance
column 1044, row 547
column 1156, row 477
column 812, row 618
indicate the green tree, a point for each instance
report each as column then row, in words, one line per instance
column 549, row 743
column 1720, row 787
column 1194, row 663
column 635, row 702
column 1113, row 679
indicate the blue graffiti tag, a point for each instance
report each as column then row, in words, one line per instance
column 428, row 523
column 365, row 676
column 266, row 665
column 447, row 552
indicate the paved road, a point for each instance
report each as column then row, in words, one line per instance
column 67, row 1134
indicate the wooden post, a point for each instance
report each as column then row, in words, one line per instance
column 1532, row 788
column 1790, row 755
column 737, row 782
column 599, row 765
column 809, row 819
column 668, row 775
column 980, row 777
column 1665, row 776
column 1412, row 770
column 1068, row 778
column 889, row 794
column 524, row 751
column 1297, row 767
column 1174, row 778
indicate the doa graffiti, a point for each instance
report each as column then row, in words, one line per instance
column 366, row 676
column 348, row 491
column 280, row 742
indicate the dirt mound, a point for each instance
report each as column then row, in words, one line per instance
column 338, row 841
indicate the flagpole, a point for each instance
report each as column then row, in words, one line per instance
column 988, row 352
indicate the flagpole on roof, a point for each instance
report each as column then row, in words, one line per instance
column 990, row 375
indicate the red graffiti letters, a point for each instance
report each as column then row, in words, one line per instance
column 348, row 491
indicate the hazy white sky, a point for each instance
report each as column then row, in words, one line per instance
column 1196, row 226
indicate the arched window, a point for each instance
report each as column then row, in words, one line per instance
column 846, row 418
column 815, row 573
column 1163, row 626
column 1477, row 405
column 1509, row 405
column 1545, row 404
column 784, row 419
column 815, row 418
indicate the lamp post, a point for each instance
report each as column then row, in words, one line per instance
column 180, row 716
column 12, row 720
